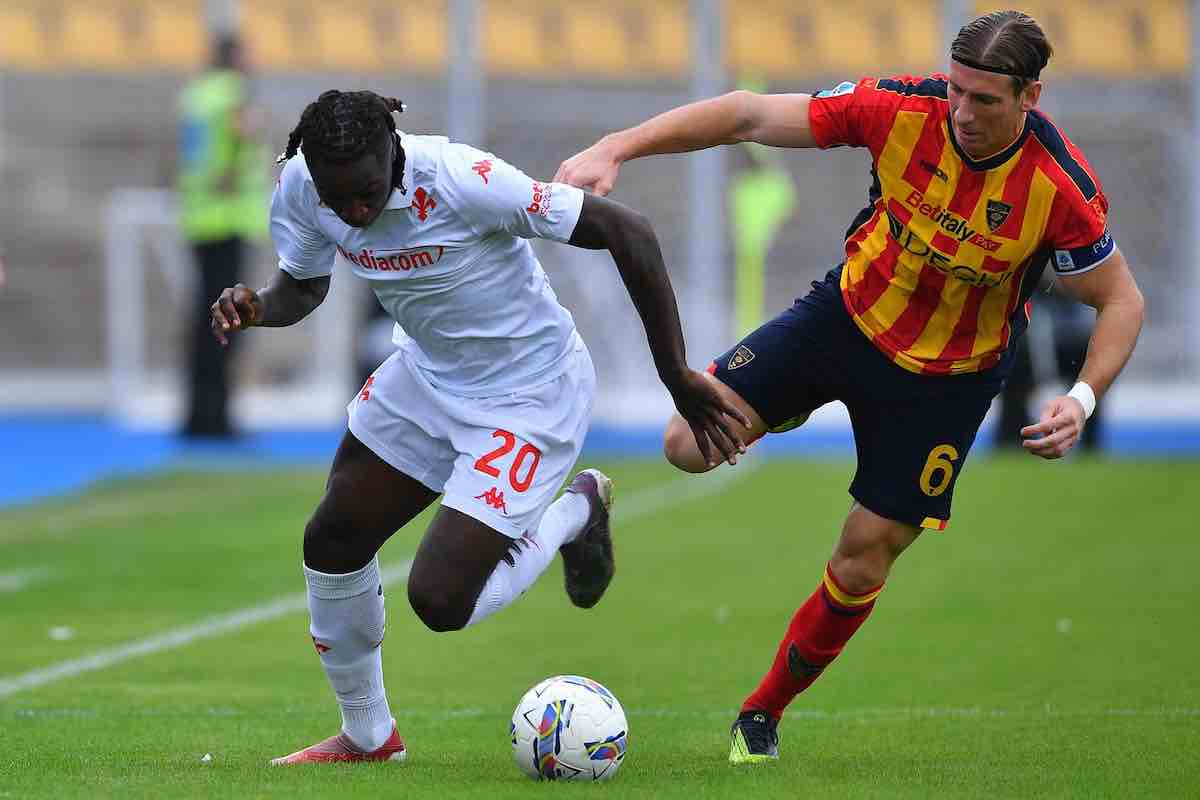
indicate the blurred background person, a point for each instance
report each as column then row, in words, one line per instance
column 1052, row 353
column 762, row 198
column 374, row 342
column 222, row 189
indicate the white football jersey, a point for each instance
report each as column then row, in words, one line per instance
column 449, row 260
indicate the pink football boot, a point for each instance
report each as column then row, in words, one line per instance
column 340, row 748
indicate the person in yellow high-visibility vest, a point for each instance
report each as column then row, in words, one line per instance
column 761, row 199
column 222, row 184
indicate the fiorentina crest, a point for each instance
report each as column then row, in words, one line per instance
column 997, row 212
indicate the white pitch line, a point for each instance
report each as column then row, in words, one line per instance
column 680, row 490
column 82, row 512
column 204, row 629
column 638, row 504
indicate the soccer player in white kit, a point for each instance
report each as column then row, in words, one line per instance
column 485, row 401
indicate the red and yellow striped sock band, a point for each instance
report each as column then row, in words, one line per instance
column 854, row 603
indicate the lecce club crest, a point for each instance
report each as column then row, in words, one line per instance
column 997, row 213
column 741, row 357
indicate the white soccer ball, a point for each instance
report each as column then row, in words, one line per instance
column 569, row 728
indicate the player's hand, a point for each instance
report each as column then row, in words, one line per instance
column 594, row 170
column 237, row 308
column 712, row 419
column 1057, row 431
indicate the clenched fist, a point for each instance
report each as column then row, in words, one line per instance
column 237, row 308
column 1057, row 431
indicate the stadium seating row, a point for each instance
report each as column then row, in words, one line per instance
column 615, row 39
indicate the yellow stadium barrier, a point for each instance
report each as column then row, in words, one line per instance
column 1112, row 38
column 98, row 38
column 618, row 39
column 23, row 41
column 175, row 36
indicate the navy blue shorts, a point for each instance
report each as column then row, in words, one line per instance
column 912, row 432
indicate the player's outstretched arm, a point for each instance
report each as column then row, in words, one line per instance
column 628, row 236
column 283, row 301
column 1112, row 291
column 780, row 120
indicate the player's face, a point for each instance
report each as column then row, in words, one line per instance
column 357, row 192
column 986, row 115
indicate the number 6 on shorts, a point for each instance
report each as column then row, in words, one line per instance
column 940, row 462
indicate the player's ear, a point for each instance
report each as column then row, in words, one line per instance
column 1030, row 96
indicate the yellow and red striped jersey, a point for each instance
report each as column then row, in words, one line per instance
column 941, row 263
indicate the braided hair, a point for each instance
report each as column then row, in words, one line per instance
column 340, row 127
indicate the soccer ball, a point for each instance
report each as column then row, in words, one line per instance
column 569, row 728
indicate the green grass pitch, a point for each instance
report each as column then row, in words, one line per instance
column 1046, row 645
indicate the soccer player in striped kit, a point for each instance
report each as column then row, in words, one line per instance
column 975, row 193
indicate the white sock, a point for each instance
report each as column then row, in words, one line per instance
column 532, row 553
column 348, row 623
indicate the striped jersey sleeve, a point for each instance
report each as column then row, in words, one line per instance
column 1077, row 229
column 861, row 114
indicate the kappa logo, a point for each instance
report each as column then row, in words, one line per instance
column 364, row 396
column 321, row 646
column 741, row 357
column 482, row 168
column 997, row 213
column 494, row 499
column 423, row 202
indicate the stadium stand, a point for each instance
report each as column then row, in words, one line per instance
column 532, row 38
column 87, row 99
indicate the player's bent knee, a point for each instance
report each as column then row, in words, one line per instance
column 332, row 545
column 440, row 610
column 321, row 551
column 867, row 549
column 679, row 447
column 859, row 574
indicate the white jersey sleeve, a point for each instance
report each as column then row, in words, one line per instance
column 304, row 251
column 492, row 195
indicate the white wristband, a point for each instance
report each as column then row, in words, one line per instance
column 1086, row 397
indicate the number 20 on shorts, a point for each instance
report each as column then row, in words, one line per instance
column 526, row 460
column 939, row 466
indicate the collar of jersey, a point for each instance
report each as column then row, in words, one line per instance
column 399, row 198
column 991, row 162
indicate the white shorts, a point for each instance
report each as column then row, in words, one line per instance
column 498, row 459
